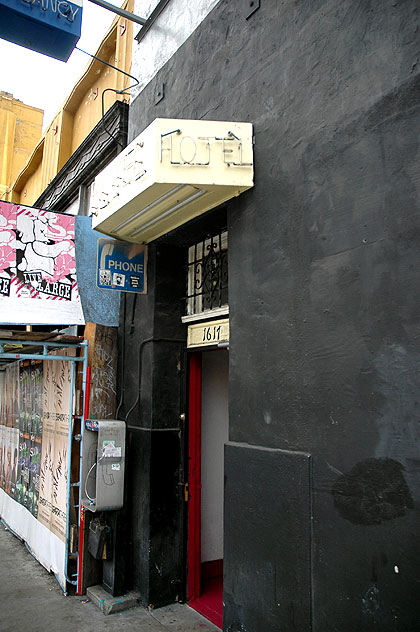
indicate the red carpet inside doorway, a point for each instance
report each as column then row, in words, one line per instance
column 210, row 602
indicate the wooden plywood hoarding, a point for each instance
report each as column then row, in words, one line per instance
column 52, row 509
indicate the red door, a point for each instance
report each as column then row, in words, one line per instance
column 194, row 477
column 208, row 431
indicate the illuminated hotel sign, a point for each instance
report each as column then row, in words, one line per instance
column 175, row 170
column 50, row 27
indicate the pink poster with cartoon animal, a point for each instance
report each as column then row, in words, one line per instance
column 38, row 282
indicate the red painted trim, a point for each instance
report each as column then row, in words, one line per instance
column 79, row 588
column 194, row 476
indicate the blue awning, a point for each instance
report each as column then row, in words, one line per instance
column 50, row 27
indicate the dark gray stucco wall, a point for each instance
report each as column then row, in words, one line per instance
column 151, row 402
column 323, row 291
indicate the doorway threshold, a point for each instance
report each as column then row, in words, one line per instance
column 210, row 602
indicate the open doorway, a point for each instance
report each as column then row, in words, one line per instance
column 208, row 433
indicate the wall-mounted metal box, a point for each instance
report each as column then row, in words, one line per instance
column 173, row 171
column 103, row 464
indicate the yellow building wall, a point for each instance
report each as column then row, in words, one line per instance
column 20, row 130
column 80, row 113
column 30, row 178
column 32, row 186
column 115, row 51
column 57, row 148
column 89, row 111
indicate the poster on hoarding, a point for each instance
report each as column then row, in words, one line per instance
column 56, row 396
column 36, row 435
column 30, row 435
column 10, row 462
column 11, row 396
column 22, row 484
column 9, row 428
column 38, row 283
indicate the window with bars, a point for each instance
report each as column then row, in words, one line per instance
column 207, row 277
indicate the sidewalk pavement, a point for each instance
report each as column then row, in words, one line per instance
column 31, row 599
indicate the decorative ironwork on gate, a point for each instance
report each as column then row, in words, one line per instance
column 207, row 278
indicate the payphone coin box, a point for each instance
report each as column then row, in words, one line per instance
column 103, row 464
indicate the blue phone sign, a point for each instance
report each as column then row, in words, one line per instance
column 122, row 266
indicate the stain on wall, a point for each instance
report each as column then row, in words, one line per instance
column 373, row 491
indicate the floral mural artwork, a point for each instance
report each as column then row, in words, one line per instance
column 38, row 264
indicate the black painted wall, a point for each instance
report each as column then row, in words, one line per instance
column 324, row 262
column 151, row 402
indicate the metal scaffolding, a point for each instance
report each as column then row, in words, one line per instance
column 41, row 350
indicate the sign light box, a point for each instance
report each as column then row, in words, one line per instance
column 50, row 27
column 175, row 170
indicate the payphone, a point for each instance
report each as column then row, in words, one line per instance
column 103, row 465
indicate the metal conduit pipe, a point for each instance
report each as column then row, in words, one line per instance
column 139, row 367
column 84, row 360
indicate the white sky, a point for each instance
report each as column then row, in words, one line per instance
column 44, row 82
